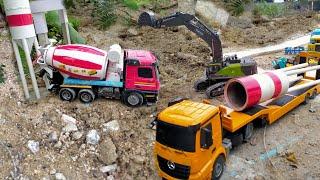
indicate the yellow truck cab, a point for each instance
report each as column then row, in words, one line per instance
column 193, row 139
column 188, row 141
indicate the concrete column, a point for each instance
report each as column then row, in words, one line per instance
column 65, row 26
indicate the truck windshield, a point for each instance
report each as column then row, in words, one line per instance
column 177, row 137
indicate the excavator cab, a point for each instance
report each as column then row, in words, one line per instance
column 147, row 19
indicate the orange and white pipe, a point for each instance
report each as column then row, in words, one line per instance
column 241, row 93
column 245, row 92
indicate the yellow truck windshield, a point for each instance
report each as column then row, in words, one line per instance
column 176, row 137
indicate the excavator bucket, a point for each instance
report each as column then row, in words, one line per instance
column 147, row 19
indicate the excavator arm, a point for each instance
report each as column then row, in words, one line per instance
column 193, row 24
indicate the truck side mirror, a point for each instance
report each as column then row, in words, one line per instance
column 206, row 138
column 152, row 124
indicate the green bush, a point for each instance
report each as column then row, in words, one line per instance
column 2, row 73
column 104, row 12
column 271, row 10
column 132, row 4
column 236, row 7
column 74, row 22
column 69, row 4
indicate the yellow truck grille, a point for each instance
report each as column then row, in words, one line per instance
column 173, row 169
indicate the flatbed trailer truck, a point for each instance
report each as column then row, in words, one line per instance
column 193, row 139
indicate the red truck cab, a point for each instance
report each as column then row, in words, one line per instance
column 141, row 79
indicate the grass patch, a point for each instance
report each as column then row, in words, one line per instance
column 104, row 13
column 24, row 61
column 236, row 7
column 271, row 10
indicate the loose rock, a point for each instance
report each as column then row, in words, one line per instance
column 108, row 169
column 132, row 32
column 111, row 126
column 68, row 119
column 33, row 146
column 70, row 128
column 77, row 135
column 53, row 137
column 93, row 137
column 110, row 177
column 60, row 176
column 108, row 154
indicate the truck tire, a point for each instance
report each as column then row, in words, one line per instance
column 218, row 168
column 86, row 95
column 133, row 99
column 67, row 94
column 247, row 132
column 314, row 94
column 306, row 99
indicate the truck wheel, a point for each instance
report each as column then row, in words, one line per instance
column 86, row 95
column 236, row 139
column 314, row 94
column 134, row 99
column 218, row 168
column 67, row 94
column 248, row 132
column 306, row 99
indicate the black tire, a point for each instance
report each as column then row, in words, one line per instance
column 133, row 99
column 218, row 168
column 86, row 95
column 201, row 84
column 237, row 139
column 67, row 94
column 306, row 99
column 314, row 94
column 248, row 132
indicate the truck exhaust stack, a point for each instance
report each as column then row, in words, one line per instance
column 245, row 92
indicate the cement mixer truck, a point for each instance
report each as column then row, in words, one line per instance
column 88, row 73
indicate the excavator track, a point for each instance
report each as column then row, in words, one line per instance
column 215, row 90
column 201, row 84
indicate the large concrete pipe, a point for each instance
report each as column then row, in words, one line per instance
column 245, row 92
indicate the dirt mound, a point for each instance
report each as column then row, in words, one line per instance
column 270, row 32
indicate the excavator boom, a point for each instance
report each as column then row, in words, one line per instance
column 192, row 23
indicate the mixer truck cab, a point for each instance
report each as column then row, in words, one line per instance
column 87, row 73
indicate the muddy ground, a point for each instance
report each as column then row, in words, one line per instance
column 182, row 61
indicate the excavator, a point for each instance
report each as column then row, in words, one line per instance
column 221, row 69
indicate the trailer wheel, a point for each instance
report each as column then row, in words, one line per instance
column 133, row 99
column 86, row 95
column 218, row 168
column 248, row 132
column 314, row 94
column 67, row 94
column 306, row 99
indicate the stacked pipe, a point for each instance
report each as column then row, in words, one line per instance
column 245, row 92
